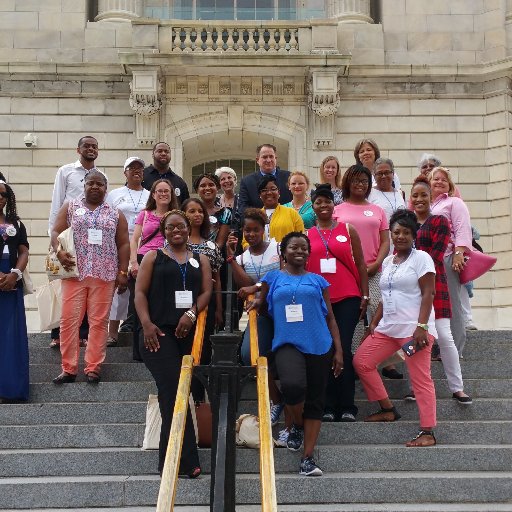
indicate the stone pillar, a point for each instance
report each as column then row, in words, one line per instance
column 508, row 26
column 119, row 10
column 350, row 11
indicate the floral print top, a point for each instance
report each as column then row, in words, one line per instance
column 94, row 260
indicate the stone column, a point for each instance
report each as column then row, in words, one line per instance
column 508, row 26
column 350, row 11
column 119, row 10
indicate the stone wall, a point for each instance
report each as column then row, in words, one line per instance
column 434, row 76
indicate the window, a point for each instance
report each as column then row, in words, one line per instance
column 241, row 167
column 235, row 9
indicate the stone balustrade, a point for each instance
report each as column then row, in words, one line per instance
column 236, row 37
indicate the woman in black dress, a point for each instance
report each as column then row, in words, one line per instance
column 173, row 285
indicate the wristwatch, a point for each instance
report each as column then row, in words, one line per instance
column 365, row 297
column 423, row 326
column 458, row 252
column 258, row 285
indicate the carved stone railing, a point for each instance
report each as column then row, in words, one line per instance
column 243, row 37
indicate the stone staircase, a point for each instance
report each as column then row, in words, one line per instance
column 77, row 446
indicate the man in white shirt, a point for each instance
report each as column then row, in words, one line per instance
column 69, row 184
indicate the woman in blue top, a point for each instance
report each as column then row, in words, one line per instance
column 304, row 334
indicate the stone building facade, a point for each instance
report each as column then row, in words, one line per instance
column 416, row 76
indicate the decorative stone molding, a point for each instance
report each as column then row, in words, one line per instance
column 350, row 11
column 324, row 101
column 145, row 91
column 119, row 10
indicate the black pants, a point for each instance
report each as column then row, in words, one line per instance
column 83, row 331
column 165, row 367
column 340, row 391
column 132, row 318
column 303, row 378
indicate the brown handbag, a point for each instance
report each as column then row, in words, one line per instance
column 204, row 425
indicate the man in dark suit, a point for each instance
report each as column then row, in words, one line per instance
column 161, row 170
column 249, row 197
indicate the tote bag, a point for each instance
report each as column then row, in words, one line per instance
column 49, row 303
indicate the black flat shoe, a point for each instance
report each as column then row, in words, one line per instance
column 464, row 400
column 93, row 378
column 392, row 374
column 64, row 378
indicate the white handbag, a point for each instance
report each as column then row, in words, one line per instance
column 54, row 268
column 49, row 303
column 248, row 431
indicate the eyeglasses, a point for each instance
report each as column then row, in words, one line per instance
column 271, row 189
column 5, row 195
column 356, row 181
column 163, row 192
column 383, row 174
column 172, row 227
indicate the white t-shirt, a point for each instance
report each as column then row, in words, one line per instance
column 390, row 202
column 130, row 202
column 257, row 266
column 396, row 181
column 402, row 304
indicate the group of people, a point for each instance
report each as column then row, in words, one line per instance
column 346, row 276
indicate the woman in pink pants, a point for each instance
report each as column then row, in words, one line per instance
column 404, row 317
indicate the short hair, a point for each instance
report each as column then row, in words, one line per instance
column 350, row 174
column 360, row 143
column 286, row 241
column 323, row 190
column 337, row 179
column 260, row 147
column 81, row 139
column 168, row 214
column 446, row 172
column 386, row 161
column 298, row 173
column 205, row 228
column 256, row 215
column 426, row 157
column 406, row 219
column 225, row 170
column 161, row 142
column 96, row 172
column 207, row 175
column 151, row 203
column 268, row 178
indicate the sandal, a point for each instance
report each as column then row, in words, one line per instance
column 194, row 473
column 93, row 378
column 55, row 343
column 415, row 442
column 381, row 415
column 111, row 341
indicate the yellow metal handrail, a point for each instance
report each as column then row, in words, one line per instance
column 167, row 493
column 267, row 472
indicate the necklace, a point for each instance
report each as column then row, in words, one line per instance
column 387, row 199
column 135, row 206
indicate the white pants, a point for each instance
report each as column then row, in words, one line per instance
column 466, row 305
column 449, row 355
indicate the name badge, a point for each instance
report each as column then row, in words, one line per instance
column 341, row 238
column 10, row 231
column 194, row 262
column 389, row 305
column 80, row 212
column 368, row 213
column 94, row 236
column 131, row 224
column 294, row 313
column 183, row 299
column 328, row 265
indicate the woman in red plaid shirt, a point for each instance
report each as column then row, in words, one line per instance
column 433, row 237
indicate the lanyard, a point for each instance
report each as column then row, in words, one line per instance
column 296, row 287
column 326, row 243
column 393, row 272
column 258, row 272
column 136, row 206
column 387, row 199
column 95, row 214
column 183, row 272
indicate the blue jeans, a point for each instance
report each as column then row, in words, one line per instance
column 265, row 337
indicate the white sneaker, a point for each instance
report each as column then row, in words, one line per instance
column 282, row 438
column 470, row 326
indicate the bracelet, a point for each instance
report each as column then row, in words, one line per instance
column 123, row 273
column 365, row 297
column 230, row 259
column 191, row 315
column 18, row 272
column 423, row 326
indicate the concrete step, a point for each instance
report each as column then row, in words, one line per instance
column 312, row 507
column 45, row 355
column 45, row 392
column 353, row 487
column 135, row 412
column 132, row 435
column 332, row 458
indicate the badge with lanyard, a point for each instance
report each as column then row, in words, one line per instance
column 94, row 235
column 327, row 265
column 182, row 298
column 294, row 311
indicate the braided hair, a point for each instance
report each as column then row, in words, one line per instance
column 11, row 212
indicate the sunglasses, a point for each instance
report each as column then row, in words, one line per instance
column 5, row 195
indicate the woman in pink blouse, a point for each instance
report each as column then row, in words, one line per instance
column 454, row 209
column 100, row 234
